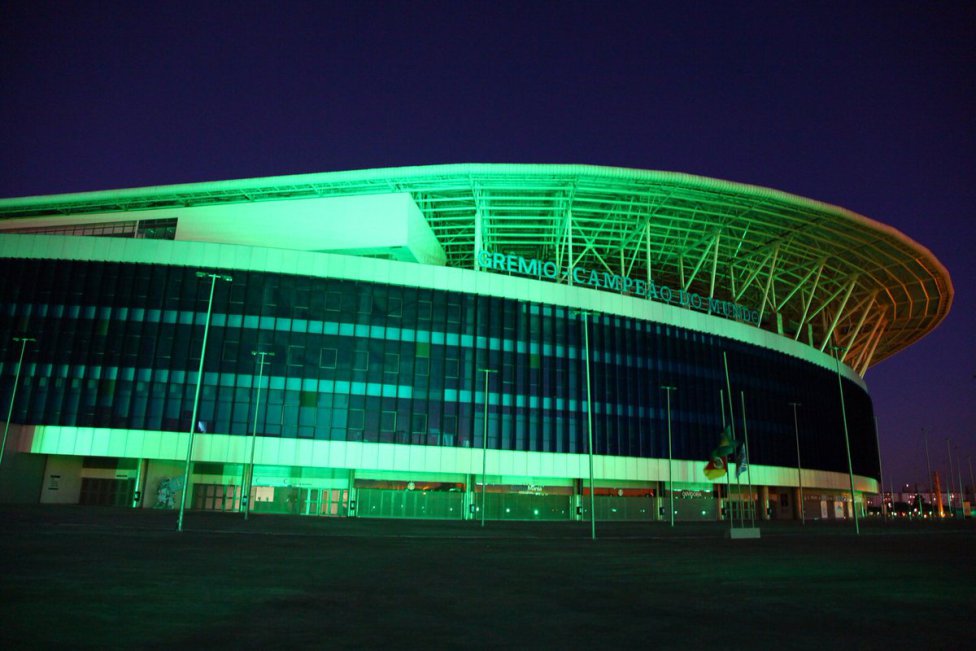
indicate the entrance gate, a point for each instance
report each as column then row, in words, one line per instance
column 329, row 502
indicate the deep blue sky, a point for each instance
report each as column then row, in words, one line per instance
column 867, row 105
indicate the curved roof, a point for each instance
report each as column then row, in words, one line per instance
column 815, row 272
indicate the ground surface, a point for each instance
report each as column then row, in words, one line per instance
column 75, row 577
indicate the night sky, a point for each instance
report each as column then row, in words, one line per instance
column 866, row 105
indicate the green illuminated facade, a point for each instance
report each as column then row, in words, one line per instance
column 384, row 294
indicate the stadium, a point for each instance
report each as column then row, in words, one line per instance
column 529, row 342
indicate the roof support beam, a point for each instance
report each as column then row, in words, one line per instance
column 769, row 284
column 874, row 346
column 833, row 324
column 711, row 284
column 813, row 269
column 869, row 340
column 752, row 276
column 809, row 302
column 685, row 284
column 860, row 322
column 478, row 237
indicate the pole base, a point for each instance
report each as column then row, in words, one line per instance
column 743, row 533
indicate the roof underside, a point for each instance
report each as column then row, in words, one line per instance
column 817, row 273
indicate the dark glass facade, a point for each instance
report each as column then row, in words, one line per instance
column 119, row 344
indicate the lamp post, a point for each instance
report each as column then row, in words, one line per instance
column 877, row 444
column 259, row 357
column 484, row 446
column 928, row 466
column 669, row 389
column 949, row 479
column 847, row 440
column 23, row 341
column 196, row 396
column 972, row 484
column 589, row 415
column 962, row 489
column 799, row 469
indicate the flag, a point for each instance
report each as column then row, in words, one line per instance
column 741, row 463
column 715, row 468
column 718, row 462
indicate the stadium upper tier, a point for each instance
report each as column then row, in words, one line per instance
column 813, row 272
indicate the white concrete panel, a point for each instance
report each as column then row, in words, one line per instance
column 82, row 443
column 62, row 480
column 173, row 447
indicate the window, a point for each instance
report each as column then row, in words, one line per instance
column 327, row 357
column 454, row 313
column 365, row 303
column 388, row 421
column 396, row 307
column 450, row 424
column 424, row 310
column 296, row 356
column 418, row 424
column 333, row 301
column 360, row 360
column 229, row 353
column 357, row 419
column 451, row 367
column 391, row 363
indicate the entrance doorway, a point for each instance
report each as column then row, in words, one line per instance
column 328, row 502
column 106, row 492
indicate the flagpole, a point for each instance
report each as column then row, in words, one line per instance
column 728, row 386
column 669, row 389
column 738, row 491
column 728, row 481
column 745, row 434
column 799, row 467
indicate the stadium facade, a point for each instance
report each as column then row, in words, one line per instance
column 357, row 327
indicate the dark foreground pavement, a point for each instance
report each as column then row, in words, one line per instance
column 76, row 577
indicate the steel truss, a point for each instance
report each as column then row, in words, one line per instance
column 815, row 272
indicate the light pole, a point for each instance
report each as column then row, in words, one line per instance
column 952, row 513
column 847, row 440
column 196, row 396
column 799, row 469
column 877, row 444
column 928, row 466
column 484, row 446
column 259, row 357
column 972, row 484
column 589, row 416
column 669, row 389
column 13, row 394
column 962, row 489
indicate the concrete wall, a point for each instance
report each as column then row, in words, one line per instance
column 61, row 483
